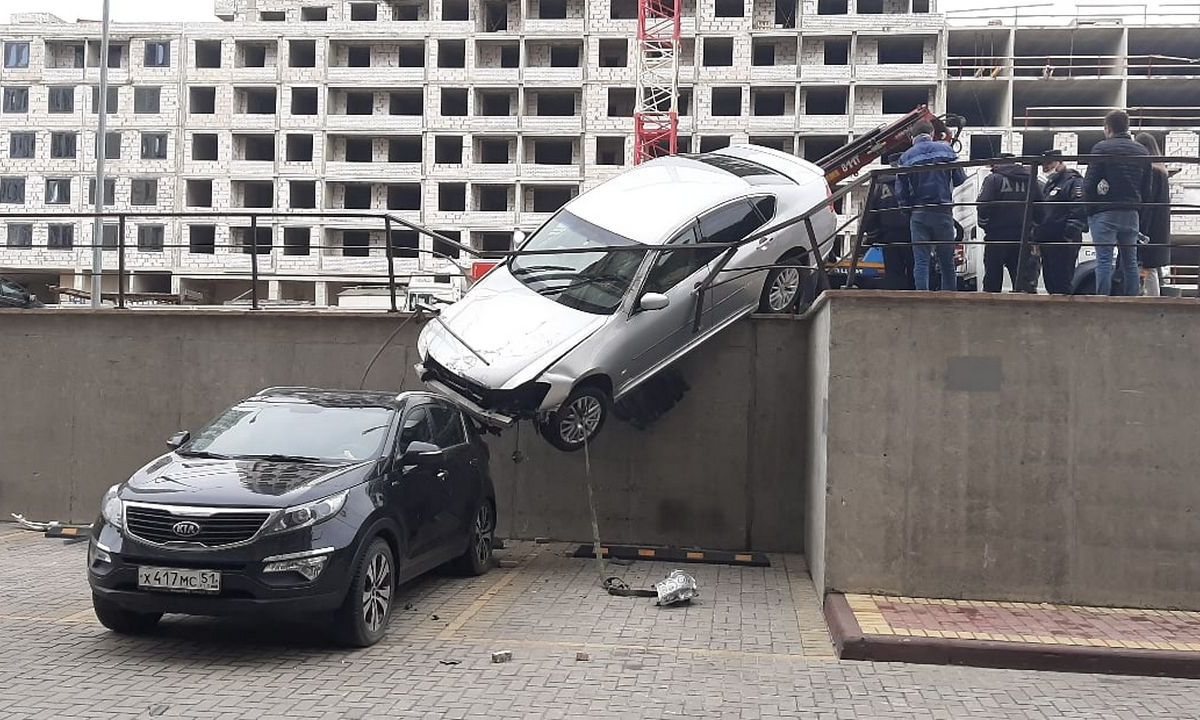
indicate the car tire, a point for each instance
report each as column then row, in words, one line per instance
column 362, row 619
column 477, row 558
column 787, row 289
column 578, row 420
column 123, row 622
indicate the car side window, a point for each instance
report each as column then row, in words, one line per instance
column 416, row 428
column 730, row 223
column 765, row 206
column 671, row 267
column 447, row 426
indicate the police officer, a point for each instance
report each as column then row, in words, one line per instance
column 884, row 224
column 1063, row 223
column 1001, row 211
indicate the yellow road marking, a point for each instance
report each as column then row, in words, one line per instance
column 482, row 601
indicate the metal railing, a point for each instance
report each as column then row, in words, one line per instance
column 821, row 257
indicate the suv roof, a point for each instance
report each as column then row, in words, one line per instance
column 337, row 398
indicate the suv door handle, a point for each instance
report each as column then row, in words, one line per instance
column 474, row 462
column 442, row 475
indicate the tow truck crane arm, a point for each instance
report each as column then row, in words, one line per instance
column 862, row 151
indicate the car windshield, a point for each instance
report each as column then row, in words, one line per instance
column 593, row 282
column 293, row 431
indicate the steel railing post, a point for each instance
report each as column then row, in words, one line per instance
column 391, row 260
column 121, row 262
column 816, row 253
column 1022, row 258
column 858, row 233
column 254, row 262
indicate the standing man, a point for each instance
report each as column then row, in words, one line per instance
column 1064, row 220
column 930, row 194
column 1118, row 183
column 1001, row 212
column 886, row 225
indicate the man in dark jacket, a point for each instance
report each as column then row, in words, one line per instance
column 930, row 193
column 884, row 224
column 1115, row 187
column 1062, row 225
column 1001, row 212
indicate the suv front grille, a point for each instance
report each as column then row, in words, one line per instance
column 157, row 525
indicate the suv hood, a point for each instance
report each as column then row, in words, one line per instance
column 176, row 480
column 519, row 332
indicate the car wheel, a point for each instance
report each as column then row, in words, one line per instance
column 478, row 557
column 121, row 621
column 363, row 617
column 579, row 419
column 787, row 289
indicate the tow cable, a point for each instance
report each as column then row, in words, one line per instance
column 677, row 587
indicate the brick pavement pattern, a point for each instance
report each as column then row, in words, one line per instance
column 1040, row 623
column 753, row 646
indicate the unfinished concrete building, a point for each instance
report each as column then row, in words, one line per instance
column 477, row 117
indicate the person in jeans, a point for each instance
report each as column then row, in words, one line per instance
column 1155, row 218
column 1115, row 187
column 930, row 194
column 884, row 224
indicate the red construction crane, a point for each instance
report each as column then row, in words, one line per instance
column 656, row 114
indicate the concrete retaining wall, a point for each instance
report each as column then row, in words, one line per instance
column 1006, row 448
column 88, row 397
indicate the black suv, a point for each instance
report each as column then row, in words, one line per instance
column 296, row 501
column 12, row 295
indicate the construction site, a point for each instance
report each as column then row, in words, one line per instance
column 478, row 120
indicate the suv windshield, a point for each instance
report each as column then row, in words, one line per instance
column 593, row 282
column 294, row 431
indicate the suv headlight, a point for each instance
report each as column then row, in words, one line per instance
column 112, row 509
column 302, row 516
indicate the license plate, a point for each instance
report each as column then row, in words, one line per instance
column 179, row 580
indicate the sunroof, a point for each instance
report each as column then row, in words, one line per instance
column 750, row 171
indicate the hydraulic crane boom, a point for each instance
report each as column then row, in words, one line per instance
column 862, row 151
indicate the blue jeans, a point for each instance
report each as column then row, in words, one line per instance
column 930, row 226
column 1112, row 229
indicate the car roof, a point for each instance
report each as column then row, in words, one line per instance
column 339, row 398
column 649, row 202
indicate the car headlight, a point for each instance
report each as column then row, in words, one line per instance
column 302, row 516
column 112, row 509
column 307, row 564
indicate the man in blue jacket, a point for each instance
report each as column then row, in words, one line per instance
column 931, row 192
column 1120, row 182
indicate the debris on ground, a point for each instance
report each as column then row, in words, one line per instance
column 53, row 529
column 507, row 563
column 678, row 587
column 542, row 540
column 497, row 543
column 582, row 657
column 434, row 617
column 448, row 662
column 502, row 656
column 408, row 606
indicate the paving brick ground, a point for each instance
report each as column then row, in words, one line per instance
column 1042, row 623
column 754, row 646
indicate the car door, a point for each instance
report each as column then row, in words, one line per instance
column 415, row 493
column 739, row 290
column 654, row 336
column 458, row 485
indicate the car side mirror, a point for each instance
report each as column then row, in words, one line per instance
column 422, row 454
column 177, row 440
column 518, row 237
column 654, row 301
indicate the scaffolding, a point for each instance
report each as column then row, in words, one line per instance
column 656, row 115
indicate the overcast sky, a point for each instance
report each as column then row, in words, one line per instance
column 202, row 10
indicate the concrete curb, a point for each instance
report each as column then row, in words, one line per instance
column 852, row 644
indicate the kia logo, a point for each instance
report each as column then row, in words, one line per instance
column 187, row 528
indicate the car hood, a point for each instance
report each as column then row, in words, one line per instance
column 176, row 480
column 517, row 331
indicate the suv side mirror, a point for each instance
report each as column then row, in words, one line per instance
column 177, row 440
column 422, row 454
column 654, row 301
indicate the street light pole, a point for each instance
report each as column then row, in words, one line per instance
column 101, row 148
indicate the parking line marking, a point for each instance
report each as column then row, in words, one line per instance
column 576, row 645
column 481, row 602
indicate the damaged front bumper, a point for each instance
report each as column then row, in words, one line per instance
column 499, row 408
